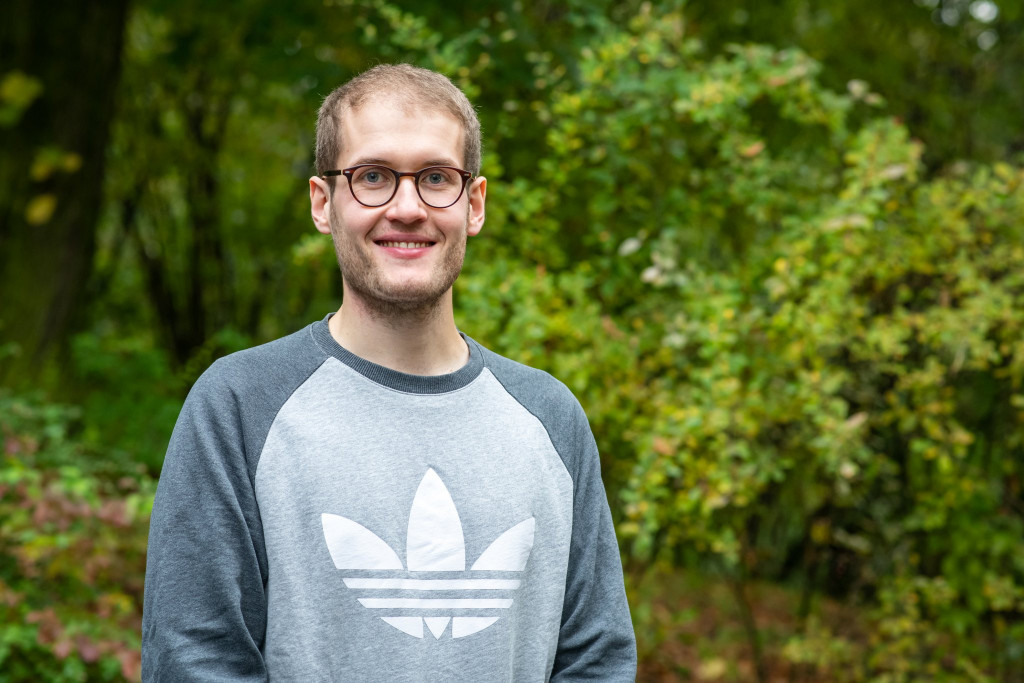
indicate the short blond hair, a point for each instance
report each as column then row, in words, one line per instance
column 413, row 87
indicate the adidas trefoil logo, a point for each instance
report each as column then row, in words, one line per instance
column 434, row 543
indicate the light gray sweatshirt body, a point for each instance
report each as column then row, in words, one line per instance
column 322, row 518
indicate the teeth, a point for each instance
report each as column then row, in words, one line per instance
column 406, row 245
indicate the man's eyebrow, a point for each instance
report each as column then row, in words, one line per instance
column 370, row 160
column 440, row 161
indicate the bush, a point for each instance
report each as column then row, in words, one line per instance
column 807, row 355
column 72, row 552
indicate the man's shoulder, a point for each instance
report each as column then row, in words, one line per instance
column 544, row 396
column 552, row 403
column 280, row 363
column 522, row 380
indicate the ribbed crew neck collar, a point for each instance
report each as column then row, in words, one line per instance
column 393, row 379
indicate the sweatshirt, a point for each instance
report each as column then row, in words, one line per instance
column 323, row 518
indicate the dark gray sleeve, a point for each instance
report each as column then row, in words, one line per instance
column 596, row 640
column 204, row 609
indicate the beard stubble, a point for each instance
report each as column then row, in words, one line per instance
column 391, row 300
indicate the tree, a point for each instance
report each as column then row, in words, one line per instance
column 52, row 170
column 950, row 69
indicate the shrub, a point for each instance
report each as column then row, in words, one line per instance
column 72, row 552
column 808, row 354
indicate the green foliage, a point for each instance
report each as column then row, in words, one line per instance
column 133, row 400
column 72, row 552
column 948, row 67
column 17, row 92
column 818, row 378
column 798, row 344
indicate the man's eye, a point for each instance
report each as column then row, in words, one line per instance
column 437, row 179
column 373, row 176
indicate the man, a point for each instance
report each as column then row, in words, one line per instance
column 378, row 497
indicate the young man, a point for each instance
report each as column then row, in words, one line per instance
column 377, row 496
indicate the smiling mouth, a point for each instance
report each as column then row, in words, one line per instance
column 405, row 245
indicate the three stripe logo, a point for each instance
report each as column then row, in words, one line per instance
column 405, row 597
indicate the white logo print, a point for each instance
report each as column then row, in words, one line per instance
column 434, row 543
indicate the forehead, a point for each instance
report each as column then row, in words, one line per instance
column 386, row 130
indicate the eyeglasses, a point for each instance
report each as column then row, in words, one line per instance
column 372, row 185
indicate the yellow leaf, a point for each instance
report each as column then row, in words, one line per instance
column 41, row 168
column 19, row 88
column 712, row 669
column 1004, row 170
column 40, row 209
column 820, row 531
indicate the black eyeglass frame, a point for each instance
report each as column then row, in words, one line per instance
column 415, row 175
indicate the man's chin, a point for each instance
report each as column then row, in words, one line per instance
column 402, row 301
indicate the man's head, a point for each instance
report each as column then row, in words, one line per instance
column 409, row 87
column 391, row 130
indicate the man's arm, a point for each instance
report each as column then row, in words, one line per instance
column 204, row 612
column 596, row 640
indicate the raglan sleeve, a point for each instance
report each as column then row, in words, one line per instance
column 596, row 640
column 204, row 609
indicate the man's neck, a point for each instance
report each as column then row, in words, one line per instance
column 420, row 343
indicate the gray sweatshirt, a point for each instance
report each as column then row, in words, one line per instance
column 323, row 518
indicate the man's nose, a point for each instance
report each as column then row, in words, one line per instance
column 406, row 206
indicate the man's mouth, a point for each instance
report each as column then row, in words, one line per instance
column 405, row 245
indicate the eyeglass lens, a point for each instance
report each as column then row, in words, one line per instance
column 439, row 187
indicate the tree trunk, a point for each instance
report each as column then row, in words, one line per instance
column 51, row 172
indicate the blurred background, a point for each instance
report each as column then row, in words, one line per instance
column 776, row 250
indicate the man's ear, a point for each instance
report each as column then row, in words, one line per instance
column 320, row 204
column 477, row 199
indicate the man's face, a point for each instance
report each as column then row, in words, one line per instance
column 403, row 256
